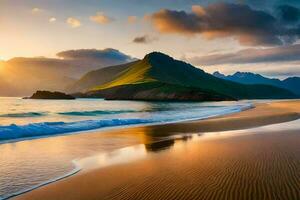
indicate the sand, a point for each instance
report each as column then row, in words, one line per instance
column 250, row 166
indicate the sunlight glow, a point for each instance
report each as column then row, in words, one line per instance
column 1, row 66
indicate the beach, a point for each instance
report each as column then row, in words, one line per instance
column 254, row 163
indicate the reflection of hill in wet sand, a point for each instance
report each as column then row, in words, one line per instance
column 160, row 145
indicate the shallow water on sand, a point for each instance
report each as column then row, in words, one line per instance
column 27, row 164
column 136, row 152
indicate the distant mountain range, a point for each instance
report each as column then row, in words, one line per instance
column 160, row 77
column 23, row 76
column 291, row 83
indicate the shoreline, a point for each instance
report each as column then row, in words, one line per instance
column 116, row 127
column 76, row 170
column 129, row 125
column 270, row 113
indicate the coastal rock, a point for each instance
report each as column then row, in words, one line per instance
column 50, row 95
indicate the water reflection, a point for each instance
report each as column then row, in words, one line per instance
column 160, row 145
column 167, row 143
column 123, row 155
column 132, row 153
column 155, row 141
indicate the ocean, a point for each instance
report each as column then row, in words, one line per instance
column 31, row 156
column 24, row 119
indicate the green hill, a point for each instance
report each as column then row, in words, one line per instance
column 160, row 77
column 97, row 77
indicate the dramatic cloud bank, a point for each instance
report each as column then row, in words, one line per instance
column 249, row 26
column 105, row 56
column 288, row 13
column 275, row 54
column 23, row 76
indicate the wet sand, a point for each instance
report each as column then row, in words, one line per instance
column 248, row 166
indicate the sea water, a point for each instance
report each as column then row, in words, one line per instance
column 31, row 155
column 23, row 119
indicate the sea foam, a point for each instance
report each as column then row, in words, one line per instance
column 51, row 128
column 18, row 132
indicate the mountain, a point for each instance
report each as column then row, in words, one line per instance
column 160, row 77
column 21, row 76
column 97, row 77
column 292, row 83
column 5, row 88
column 22, row 80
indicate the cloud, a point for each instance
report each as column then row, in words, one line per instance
column 289, row 13
column 73, row 22
column 132, row 19
column 23, row 76
column 107, row 56
column 70, row 63
column 252, row 55
column 36, row 10
column 101, row 18
column 144, row 39
column 249, row 26
column 52, row 19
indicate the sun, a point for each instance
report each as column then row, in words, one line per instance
column 2, row 59
column 1, row 64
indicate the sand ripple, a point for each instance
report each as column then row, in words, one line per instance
column 263, row 166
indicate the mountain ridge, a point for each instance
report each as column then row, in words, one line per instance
column 97, row 77
column 290, row 83
column 158, row 69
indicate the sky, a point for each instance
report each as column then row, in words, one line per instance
column 260, row 36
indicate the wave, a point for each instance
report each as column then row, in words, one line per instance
column 96, row 112
column 25, row 114
column 52, row 128
column 20, row 132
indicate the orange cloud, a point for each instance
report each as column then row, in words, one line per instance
column 198, row 10
column 101, row 18
column 73, row 22
column 245, row 24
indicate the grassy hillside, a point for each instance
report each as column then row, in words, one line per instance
column 135, row 74
column 97, row 77
column 160, row 68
